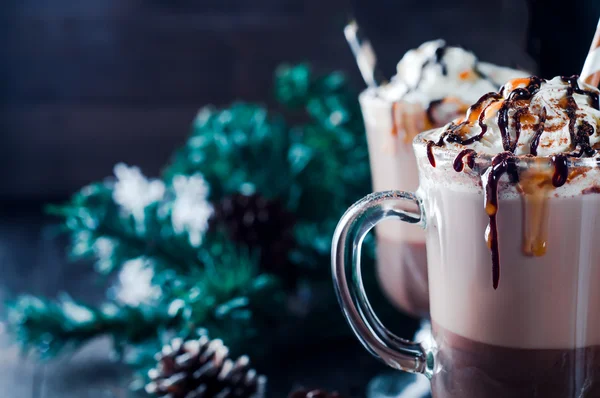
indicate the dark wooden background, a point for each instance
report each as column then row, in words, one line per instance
column 86, row 84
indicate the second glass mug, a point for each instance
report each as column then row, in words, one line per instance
column 537, row 334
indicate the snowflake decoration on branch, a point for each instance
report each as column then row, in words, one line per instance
column 135, row 284
column 191, row 210
column 134, row 192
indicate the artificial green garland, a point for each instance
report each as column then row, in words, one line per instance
column 197, row 275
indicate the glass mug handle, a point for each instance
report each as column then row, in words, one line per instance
column 351, row 230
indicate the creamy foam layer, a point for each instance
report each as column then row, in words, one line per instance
column 471, row 180
column 435, row 71
column 530, row 116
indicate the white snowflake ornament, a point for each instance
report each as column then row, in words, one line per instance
column 191, row 210
column 133, row 192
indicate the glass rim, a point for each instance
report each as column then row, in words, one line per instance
column 483, row 161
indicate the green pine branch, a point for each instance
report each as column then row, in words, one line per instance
column 100, row 230
column 328, row 154
column 51, row 327
column 228, row 297
column 317, row 169
column 240, row 148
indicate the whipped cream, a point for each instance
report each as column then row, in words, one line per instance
column 530, row 116
column 435, row 71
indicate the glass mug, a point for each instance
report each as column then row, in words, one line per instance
column 526, row 324
column 401, row 255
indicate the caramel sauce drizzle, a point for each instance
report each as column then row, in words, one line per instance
column 431, row 122
column 535, row 188
column 407, row 121
column 404, row 122
column 522, row 81
column 395, row 116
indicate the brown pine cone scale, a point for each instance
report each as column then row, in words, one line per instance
column 201, row 368
column 263, row 224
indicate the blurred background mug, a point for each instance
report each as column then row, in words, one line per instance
column 401, row 254
column 533, row 332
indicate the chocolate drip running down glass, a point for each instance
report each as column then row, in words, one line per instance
column 509, row 199
column 434, row 84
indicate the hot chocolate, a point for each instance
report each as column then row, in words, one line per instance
column 514, row 301
column 434, row 84
column 479, row 370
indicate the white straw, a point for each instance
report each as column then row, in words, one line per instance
column 591, row 68
column 363, row 54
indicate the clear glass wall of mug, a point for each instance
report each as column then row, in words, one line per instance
column 401, row 254
column 526, row 324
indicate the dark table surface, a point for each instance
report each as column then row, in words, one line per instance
column 32, row 260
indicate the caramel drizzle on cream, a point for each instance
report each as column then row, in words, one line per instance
column 535, row 188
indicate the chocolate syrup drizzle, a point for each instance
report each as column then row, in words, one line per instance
column 581, row 137
column 429, row 112
column 430, row 156
column 561, row 170
column 466, row 156
column 454, row 131
column 518, row 114
column 506, row 162
column 502, row 163
column 574, row 83
column 439, row 59
column 431, row 144
column 535, row 142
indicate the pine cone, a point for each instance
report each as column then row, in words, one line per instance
column 201, row 369
column 314, row 394
column 263, row 224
